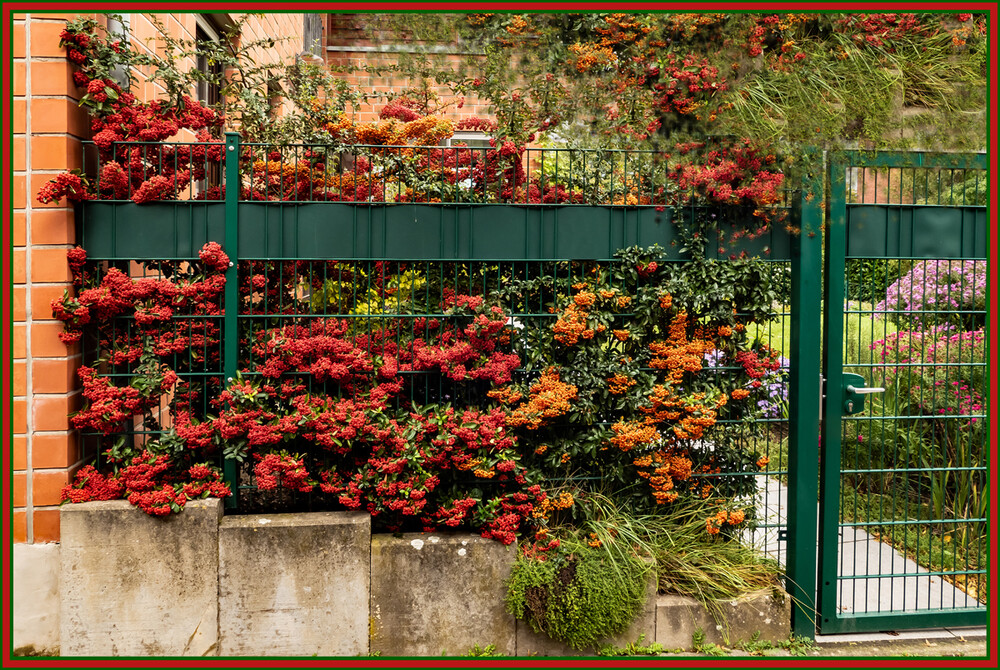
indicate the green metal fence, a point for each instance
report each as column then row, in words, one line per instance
column 335, row 242
column 323, row 254
column 905, row 488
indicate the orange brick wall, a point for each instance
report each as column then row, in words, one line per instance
column 48, row 129
column 344, row 34
column 47, row 133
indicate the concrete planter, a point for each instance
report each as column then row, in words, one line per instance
column 437, row 594
column 294, row 584
column 135, row 585
column 196, row 584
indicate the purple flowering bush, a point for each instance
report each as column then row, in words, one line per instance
column 939, row 291
column 775, row 406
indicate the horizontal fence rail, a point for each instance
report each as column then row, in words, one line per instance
column 400, row 174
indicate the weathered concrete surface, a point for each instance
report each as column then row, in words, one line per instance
column 135, row 585
column 530, row 643
column 294, row 584
column 765, row 613
column 442, row 593
column 35, row 583
column 677, row 619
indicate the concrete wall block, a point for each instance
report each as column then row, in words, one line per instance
column 677, row 619
column 36, row 599
column 294, row 584
column 643, row 627
column 136, row 585
column 765, row 612
column 435, row 594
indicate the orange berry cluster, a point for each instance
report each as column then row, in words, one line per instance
column 572, row 326
column 470, row 464
column 562, row 501
column 732, row 517
column 584, row 299
column 426, row 130
column 678, row 354
column 691, row 414
column 620, row 384
column 632, row 434
column 548, row 398
column 661, row 469
column 506, row 395
column 589, row 56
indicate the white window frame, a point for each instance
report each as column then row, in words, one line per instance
column 481, row 139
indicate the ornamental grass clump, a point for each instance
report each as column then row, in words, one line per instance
column 585, row 578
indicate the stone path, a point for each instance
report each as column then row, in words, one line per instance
column 878, row 578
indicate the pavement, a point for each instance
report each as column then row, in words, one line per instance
column 878, row 579
column 966, row 642
column 936, row 643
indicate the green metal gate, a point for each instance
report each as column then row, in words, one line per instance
column 904, row 523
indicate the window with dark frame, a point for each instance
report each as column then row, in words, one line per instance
column 209, row 91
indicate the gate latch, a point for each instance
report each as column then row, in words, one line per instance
column 855, row 392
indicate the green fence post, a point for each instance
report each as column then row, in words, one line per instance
column 231, row 345
column 804, row 403
column 834, row 268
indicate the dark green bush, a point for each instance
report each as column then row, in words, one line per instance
column 577, row 597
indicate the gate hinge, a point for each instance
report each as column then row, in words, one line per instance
column 782, row 535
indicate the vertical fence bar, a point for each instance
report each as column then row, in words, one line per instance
column 833, row 348
column 804, row 404
column 230, row 351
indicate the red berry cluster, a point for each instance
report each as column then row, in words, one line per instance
column 879, row 29
column 109, row 405
column 145, row 172
column 89, row 484
column 281, row 468
column 156, row 305
column 151, row 482
column 757, row 364
column 686, row 84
